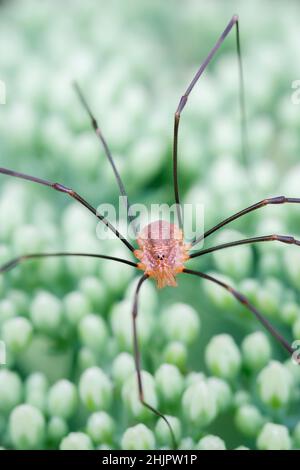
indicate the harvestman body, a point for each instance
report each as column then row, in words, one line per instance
column 162, row 252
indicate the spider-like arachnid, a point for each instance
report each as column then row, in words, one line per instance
column 163, row 251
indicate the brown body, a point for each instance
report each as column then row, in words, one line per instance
column 162, row 252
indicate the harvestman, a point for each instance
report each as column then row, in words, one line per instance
column 162, row 252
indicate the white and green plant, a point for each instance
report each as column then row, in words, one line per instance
column 69, row 380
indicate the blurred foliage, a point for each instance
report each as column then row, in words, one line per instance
column 66, row 323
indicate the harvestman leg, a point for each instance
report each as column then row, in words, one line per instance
column 183, row 100
column 243, row 300
column 264, row 202
column 107, row 151
column 70, row 192
column 246, row 241
column 20, row 259
column 138, row 360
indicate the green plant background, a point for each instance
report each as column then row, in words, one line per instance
column 133, row 60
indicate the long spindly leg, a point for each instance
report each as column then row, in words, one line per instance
column 107, row 151
column 183, row 100
column 70, row 192
column 21, row 259
column 246, row 241
column 264, row 202
column 137, row 360
column 243, row 300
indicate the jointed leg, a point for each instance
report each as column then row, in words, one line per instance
column 70, row 192
column 20, row 259
column 243, row 300
column 138, row 360
column 105, row 146
column 183, row 100
column 258, row 205
column 267, row 238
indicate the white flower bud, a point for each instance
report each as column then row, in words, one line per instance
column 274, row 385
column 93, row 332
column 181, row 322
column 211, row 442
column 223, row 357
column 256, row 350
column 122, row 368
column 26, row 427
column 17, row 333
column 199, row 404
column 169, row 383
column 138, row 437
column 95, row 389
column 10, row 390
column 100, row 427
column 76, row 441
column 274, row 437
column 62, row 399
column 249, row 420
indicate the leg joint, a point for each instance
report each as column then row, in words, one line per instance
column 182, row 103
column 284, row 239
column 62, row 188
column 276, row 200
